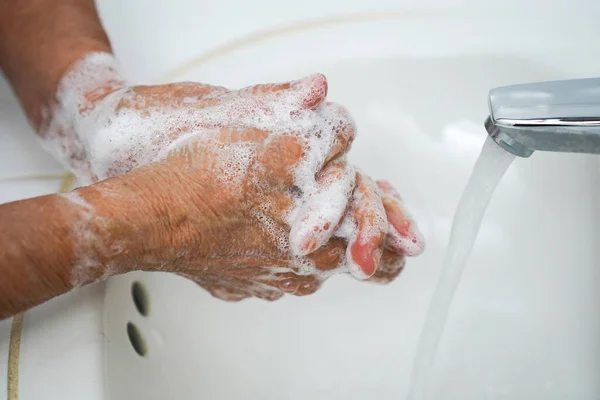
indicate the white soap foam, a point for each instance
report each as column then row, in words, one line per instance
column 82, row 235
column 366, row 197
column 371, row 200
column 322, row 210
column 61, row 130
column 126, row 129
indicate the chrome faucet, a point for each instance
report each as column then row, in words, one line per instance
column 559, row 116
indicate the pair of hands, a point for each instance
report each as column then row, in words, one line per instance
column 257, row 195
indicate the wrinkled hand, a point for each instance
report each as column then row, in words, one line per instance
column 253, row 186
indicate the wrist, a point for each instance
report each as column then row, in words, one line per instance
column 112, row 230
column 89, row 79
column 136, row 221
column 84, row 100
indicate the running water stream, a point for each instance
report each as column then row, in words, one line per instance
column 487, row 173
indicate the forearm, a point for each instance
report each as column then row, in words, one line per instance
column 35, row 252
column 39, row 41
column 52, row 244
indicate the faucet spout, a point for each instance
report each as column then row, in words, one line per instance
column 561, row 116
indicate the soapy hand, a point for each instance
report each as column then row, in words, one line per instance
column 253, row 189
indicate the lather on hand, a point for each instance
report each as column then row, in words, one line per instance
column 247, row 192
column 264, row 167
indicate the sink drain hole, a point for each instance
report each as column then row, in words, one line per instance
column 140, row 298
column 137, row 340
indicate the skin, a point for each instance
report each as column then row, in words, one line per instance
column 177, row 214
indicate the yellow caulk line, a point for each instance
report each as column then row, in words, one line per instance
column 67, row 183
column 14, row 350
column 33, row 176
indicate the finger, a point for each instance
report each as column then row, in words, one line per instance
column 328, row 258
column 188, row 92
column 317, row 219
column 335, row 179
column 270, row 87
column 247, row 280
column 278, row 279
column 265, row 88
column 312, row 90
column 299, row 285
column 226, row 286
column 257, row 289
column 366, row 243
column 181, row 94
column 344, row 128
column 390, row 267
column 193, row 94
column 229, row 135
column 403, row 235
column 289, row 282
column 309, row 92
column 224, row 292
column 219, row 289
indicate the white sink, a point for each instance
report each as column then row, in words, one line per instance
column 525, row 321
column 524, row 324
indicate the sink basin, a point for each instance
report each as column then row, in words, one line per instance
column 524, row 323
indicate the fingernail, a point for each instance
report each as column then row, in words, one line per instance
column 288, row 285
column 306, row 288
column 368, row 265
column 362, row 258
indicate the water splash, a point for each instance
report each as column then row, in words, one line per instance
column 487, row 173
